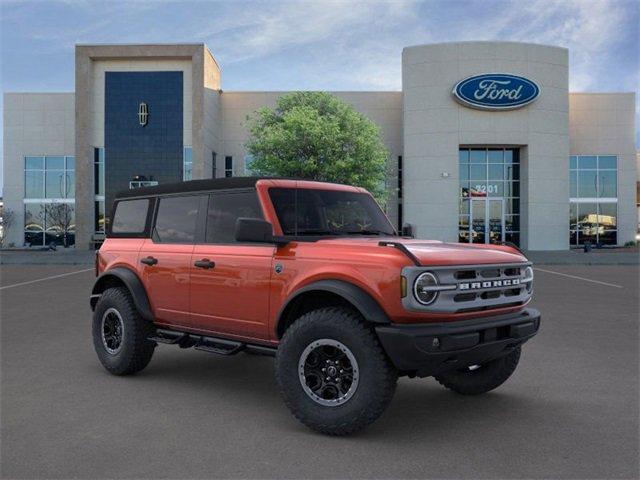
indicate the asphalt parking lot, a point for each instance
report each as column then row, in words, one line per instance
column 570, row 410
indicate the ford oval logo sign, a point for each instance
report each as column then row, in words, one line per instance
column 496, row 91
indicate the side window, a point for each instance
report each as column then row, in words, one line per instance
column 130, row 216
column 176, row 219
column 224, row 210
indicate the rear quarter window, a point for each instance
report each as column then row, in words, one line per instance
column 130, row 217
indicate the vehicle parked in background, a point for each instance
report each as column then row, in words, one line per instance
column 314, row 274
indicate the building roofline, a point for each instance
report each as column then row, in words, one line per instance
column 466, row 42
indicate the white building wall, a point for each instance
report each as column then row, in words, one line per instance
column 34, row 124
column 435, row 126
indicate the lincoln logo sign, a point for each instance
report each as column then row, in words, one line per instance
column 143, row 114
column 496, row 91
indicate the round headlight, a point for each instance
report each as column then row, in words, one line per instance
column 528, row 278
column 423, row 288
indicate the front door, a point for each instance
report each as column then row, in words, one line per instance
column 230, row 281
column 486, row 223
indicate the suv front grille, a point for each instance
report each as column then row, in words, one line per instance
column 472, row 288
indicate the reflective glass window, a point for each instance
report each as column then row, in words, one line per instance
column 607, row 162
column 495, row 156
column 587, row 162
column 607, row 184
column 478, row 156
column 54, row 163
column 34, row 184
column 223, row 212
column 34, row 163
column 587, row 183
column 176, row 219
column 130, row 216
column 54, row 184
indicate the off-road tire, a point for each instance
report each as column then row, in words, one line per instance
column 136, row 350
column 377, row 376
column 489, row 376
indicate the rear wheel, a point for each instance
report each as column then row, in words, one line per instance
column 120, row 333
column 483, row 378
column 332, row 372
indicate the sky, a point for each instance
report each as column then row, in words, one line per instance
column 317, row 45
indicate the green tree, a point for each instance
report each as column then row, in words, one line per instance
column 317, row 136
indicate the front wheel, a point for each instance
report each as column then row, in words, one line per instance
column 483, row 378
column 333, row 373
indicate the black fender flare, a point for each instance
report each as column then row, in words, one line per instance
column 368, row 307
column 133, row 284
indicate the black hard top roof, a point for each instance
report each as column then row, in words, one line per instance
column 195, row 186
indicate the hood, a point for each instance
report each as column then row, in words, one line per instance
column 435, row 253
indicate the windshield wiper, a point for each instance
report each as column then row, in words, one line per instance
column 319, row 231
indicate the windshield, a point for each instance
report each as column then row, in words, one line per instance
column 328, row 212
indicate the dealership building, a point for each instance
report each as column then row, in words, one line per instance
column 486, row 143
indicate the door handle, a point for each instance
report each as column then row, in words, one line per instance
column 149, row 261
column 205, row 263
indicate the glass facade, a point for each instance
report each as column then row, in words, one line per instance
column 228, row 166
column 489, row 199
column 593, row 211
column 49, row 198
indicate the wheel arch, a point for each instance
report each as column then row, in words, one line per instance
column 123, row 277
column 329, row 293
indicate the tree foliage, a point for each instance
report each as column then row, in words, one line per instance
column 317, row 136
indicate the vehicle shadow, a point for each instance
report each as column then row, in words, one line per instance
column 419, row 405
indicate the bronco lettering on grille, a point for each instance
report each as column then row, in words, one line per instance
column 489, row 284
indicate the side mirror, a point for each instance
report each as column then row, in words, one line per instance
column 407, row 230
column 254, row 230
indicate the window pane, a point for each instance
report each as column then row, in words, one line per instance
column 59, row 223
column 573, row 162
column 511, row 206
column 573, row 238
column 608, row 237
column 228, row 163
column 607, row 184
column 99, row 216
column 55, row 181
column 98, row 175
column 587, row 215
column 496, row 156
column 34, row 184
column 54, row 163
column 512, row 223
column 587, row 161
column 573, row 216
column 608, row 161
column 71, row 163
column 509, row 157
column 223, row 212
column 512, row 172
column 71, row 184
column 496, row 172
column 573, row 184
column 495, row 189
column 464, row 171
column 130, row 216
column 463, row 156
column 512, row 189
column 33, row 217
column 34, row 238
column 587, row 184
column 478, row 156
column 34, row 163
column 176, row 221
column 464, row 206
column 608, row 215
column 464, row 189
column 477, row 172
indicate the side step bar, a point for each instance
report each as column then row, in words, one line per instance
column 221, row 346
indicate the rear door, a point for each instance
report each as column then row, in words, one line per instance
column 230, row 280
column 165, row 258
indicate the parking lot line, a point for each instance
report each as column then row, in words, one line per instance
column 578, row 278
column 45, row 278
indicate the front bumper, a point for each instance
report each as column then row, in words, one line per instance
column 431, row 349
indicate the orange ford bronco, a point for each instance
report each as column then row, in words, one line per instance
column 314, row 274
